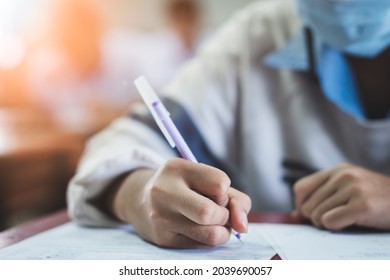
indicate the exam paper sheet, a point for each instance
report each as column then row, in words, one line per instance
column 305, row 242
column 70, row 241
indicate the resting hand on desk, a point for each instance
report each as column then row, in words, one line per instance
column 182, row 205
column 344, row 196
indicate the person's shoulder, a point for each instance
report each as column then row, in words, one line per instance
column 270, row 21
column 267, row 9
column 256, row 27
column 263, row 17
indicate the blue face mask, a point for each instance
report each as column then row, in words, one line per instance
column 357, row 27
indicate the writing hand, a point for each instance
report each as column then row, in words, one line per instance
column 182, row 205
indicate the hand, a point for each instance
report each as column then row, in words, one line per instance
column 182, row 205
column 344, row 196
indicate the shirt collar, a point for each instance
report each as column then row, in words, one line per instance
column 334, row 75
column 292, row 56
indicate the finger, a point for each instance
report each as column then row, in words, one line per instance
column 206, row 235
column 200, row 209
column 307, row 185
column 320, row 194
column 179, row 241
column 176, row 231
column 208, row 181
column 339, row 198
column 209, row 235
column 341, row 217
column 239, row 206
column 172, row 196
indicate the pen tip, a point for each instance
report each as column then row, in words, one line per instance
column 238, row 236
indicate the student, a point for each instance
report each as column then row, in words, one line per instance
column 295, row 117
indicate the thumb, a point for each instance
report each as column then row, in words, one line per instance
column 239, row 206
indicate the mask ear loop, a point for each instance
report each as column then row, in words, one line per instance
column 309, row 40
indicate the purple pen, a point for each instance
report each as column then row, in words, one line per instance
column 181, row 145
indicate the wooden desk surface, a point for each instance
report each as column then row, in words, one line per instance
column 21, row 232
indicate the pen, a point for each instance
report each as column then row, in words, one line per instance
column 165, row 123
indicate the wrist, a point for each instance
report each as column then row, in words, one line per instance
column 127, row 196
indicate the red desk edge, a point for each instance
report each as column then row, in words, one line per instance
column 33, row 227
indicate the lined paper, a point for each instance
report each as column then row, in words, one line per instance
column 305, row 242
column 70, row 241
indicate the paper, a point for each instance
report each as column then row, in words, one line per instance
column 70, row 241
column 304, row 242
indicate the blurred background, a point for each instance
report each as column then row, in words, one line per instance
column 66, row 71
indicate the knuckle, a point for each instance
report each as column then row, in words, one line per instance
column 365, row 205
column 156, row 219
column 306, row 210
column 295, row 190
column 219, row 196
column 206, row 213
column 350, row 173
column 299, row 186
column 316, row 218
column 224, row 180
column 220, row 178
column 212, row 237
column 329, row 224
column 158, row 236
column 358, row 190
column 156, row 193
column 172, row 165
column 163, row 240
column 343, row 165
column 221, row 182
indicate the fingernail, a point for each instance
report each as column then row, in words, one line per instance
column 244, row 221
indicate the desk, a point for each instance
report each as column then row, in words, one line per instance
column 36, row 154
column 28, row 174
column 39, row 225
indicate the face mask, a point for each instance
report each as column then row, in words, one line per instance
column 357, row 27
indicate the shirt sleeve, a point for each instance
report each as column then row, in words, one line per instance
column 122, row 147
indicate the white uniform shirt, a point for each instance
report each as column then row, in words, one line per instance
column 266, row 127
